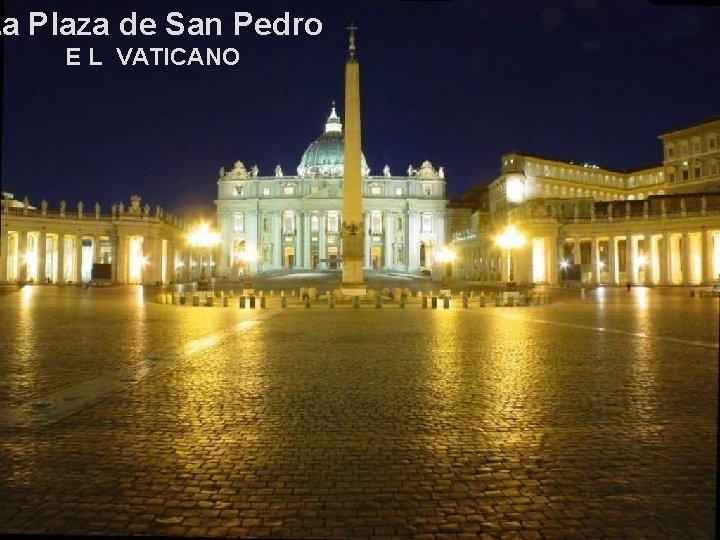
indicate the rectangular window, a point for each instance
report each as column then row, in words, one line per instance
column 671, row 152
column 671, row 177
column 266, row 191
column 375, row 190
column 332, row 223
column 714, row 168
column 683, row 150
column 288, row 190
column 697, row 172
column 314, row 223
column 427, row 190
column 398, row 191
column 376, row 223
column 266, row 224
column 239, row 223
column 712, row 142
column 288, row 223
column 696, row 146
column 239, row 190
column 685, row 174
column 426, row 223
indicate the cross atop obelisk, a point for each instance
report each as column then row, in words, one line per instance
column 351, row 47
column 353, row 233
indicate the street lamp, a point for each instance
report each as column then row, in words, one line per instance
column 203, row 238
column 445, row 256
column 510, row 239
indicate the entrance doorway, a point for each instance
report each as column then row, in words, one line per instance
column 333, row 257
column 314, row 260
column 376, row 257
column 289, row 257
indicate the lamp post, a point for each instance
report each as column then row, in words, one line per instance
column 203, row 238
column 445, row 257
column 510, row 239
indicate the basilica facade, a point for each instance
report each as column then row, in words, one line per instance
column 294, row 221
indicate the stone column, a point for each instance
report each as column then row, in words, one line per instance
column 594, row 271
column 78, row 259
column 120, row 265
column 96, row 248
column 306, row 240
column 61, row 258
column 685, row 254
column 553, row 276
column 412, row 247
column 322, row 250
column 649, row 256
column 388, row 235
column 576, row 250
column 706, row 257
column 665, row 270
column 22, row 261
column 630, row 255
column 4, row 242
column 368, row 241
column 42, row 256
column 612, row 260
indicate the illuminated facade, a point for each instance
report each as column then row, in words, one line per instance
column 61, row 246
column 294, row 222
column 659, row 225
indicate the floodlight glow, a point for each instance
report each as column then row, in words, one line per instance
column 641, row 260
column 202, row 237
column 250, row 255
column 515, row 190
column 510, row 239
column 445, row 255
column 564, row 264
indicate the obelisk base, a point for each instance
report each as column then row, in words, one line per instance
column 352, row 283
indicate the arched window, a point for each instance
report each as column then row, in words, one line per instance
column 288, row 222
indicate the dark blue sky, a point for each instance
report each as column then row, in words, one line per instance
column 458, row 83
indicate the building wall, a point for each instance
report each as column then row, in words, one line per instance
column 641, row 226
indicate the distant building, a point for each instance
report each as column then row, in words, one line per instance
column 658, row 225
column 293, row 221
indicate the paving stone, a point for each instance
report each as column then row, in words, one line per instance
column 464, row 423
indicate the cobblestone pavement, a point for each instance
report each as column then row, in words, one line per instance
column 592, row 419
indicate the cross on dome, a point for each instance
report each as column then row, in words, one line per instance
column 333, row 122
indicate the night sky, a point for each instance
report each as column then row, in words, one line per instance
column 457, row 83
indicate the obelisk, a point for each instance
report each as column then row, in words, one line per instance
column 352, row 227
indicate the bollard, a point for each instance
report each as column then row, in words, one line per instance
column 262, row 303
column 209, row 300
column 482, row 300
column 497, row 301
column 331, row 301
column 195, row 300
column 272, row 293
column 242, row 302
column 378, row 302
column 465, row 300
column 511, row 301
column 283, row 301
column 231, row 294
column 401, row 303
column 226, row 301
column 161, row 299
column 424, row 302
column 356, row 302
column 175, row 299
column 433, row 302
column 446, row 302
column 307, row 301
column 692, row 293
column 582, row 293
column 252, row 302
column 183, row 300
column 544, row 298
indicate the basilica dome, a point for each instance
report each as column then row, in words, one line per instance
column 326, row 154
